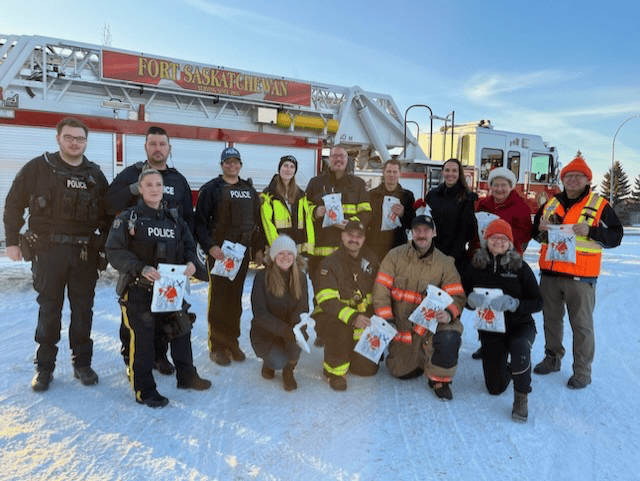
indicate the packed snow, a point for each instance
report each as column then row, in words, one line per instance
column 381, row 428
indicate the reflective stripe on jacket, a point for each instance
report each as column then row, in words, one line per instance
column 588, row 251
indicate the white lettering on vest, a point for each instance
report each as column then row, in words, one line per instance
column 240, row 194
column 168, row 189
column 76, row 184
column 161, row 232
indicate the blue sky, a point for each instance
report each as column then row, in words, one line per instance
column 569, row 71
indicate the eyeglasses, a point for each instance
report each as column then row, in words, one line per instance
column 71, row 138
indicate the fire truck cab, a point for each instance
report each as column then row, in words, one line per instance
column 480, row 149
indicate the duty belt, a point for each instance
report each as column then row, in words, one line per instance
column 69, row 239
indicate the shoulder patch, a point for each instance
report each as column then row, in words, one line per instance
column 324, row 271
column 116, row 223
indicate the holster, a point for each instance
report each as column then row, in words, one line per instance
column 28, row 245
column 124, row 280
column 178, row 323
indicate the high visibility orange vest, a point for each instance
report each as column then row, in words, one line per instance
column 588, row 251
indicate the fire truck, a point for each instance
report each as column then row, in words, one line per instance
column 481, row 148
column 118, row 94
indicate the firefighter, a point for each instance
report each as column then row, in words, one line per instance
column 64, row 193
column 405, row 274
column 285, row 209
column 123, row 192
column 228, row 208
column 343, row 297
column 382, row 241
column 355, row 205
column 140, row 238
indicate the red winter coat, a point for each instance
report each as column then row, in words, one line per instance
column 515, row 212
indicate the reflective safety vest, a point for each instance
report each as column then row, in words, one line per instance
column 588, row 251
column 277, row 219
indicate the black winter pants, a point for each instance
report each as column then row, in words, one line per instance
column 55, row 269
column 141, row 323
column 495, row 349
column 225, row 307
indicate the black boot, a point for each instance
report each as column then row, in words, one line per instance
column 288, row 380
column 153, row 399
column 41, row 380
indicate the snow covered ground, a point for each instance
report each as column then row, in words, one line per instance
column 247, row 428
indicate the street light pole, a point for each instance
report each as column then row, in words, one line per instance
column 613, row 148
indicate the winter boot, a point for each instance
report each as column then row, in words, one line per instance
column 520, row 409
column 442, row 390
column 152, row 398
column 337, row 383
column 478, row 354
column 237, row 354
column 41, row 380
column 550, row 363
column 288, row 381
column 86, row 375
column 220, row 356
column 267, row 372
column 194, row 381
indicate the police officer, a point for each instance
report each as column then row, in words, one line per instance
column 123, row 193
column 64, row 193
column 228, row 208
column 139, row 239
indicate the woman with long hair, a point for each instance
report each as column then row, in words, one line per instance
column 499, row 266
column 279, row 296
column 285, row 209
column 452, row 209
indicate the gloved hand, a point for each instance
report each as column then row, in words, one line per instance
column 476, row 300
column 504, row 303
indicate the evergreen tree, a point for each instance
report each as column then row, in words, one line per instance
column 635, row 194
column 621, row 187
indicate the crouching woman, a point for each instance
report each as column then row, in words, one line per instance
column 279, row 296
column 500, row 266
column 139, row 239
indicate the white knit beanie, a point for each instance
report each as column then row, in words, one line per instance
column 282, row 243
column 504, row 173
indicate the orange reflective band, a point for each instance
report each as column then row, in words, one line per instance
column 385, row 279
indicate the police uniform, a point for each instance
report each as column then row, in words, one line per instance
column 123, row 193
column 227, row 212
column 65, row 208
column 143, row 236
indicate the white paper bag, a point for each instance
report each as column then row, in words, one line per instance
column 487, row 319
column 334, row 214
column 168, row 291
column 389, row 220
column 562, row 243
column 375, row 339
column 230, row 265
column 307, row 322
column 484, row 219
column 425, row 314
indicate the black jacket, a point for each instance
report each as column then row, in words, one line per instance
column 383, row 241
column 455, row 221
column 513, row 275
column 177, row 192
column 61, row 198
column 159, row 236
column 274, row 317
column 228, row 212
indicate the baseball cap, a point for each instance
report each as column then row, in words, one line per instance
column 228, row 153
column 423, row 220
column 354, row 225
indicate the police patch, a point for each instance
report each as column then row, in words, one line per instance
column 116, row 223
